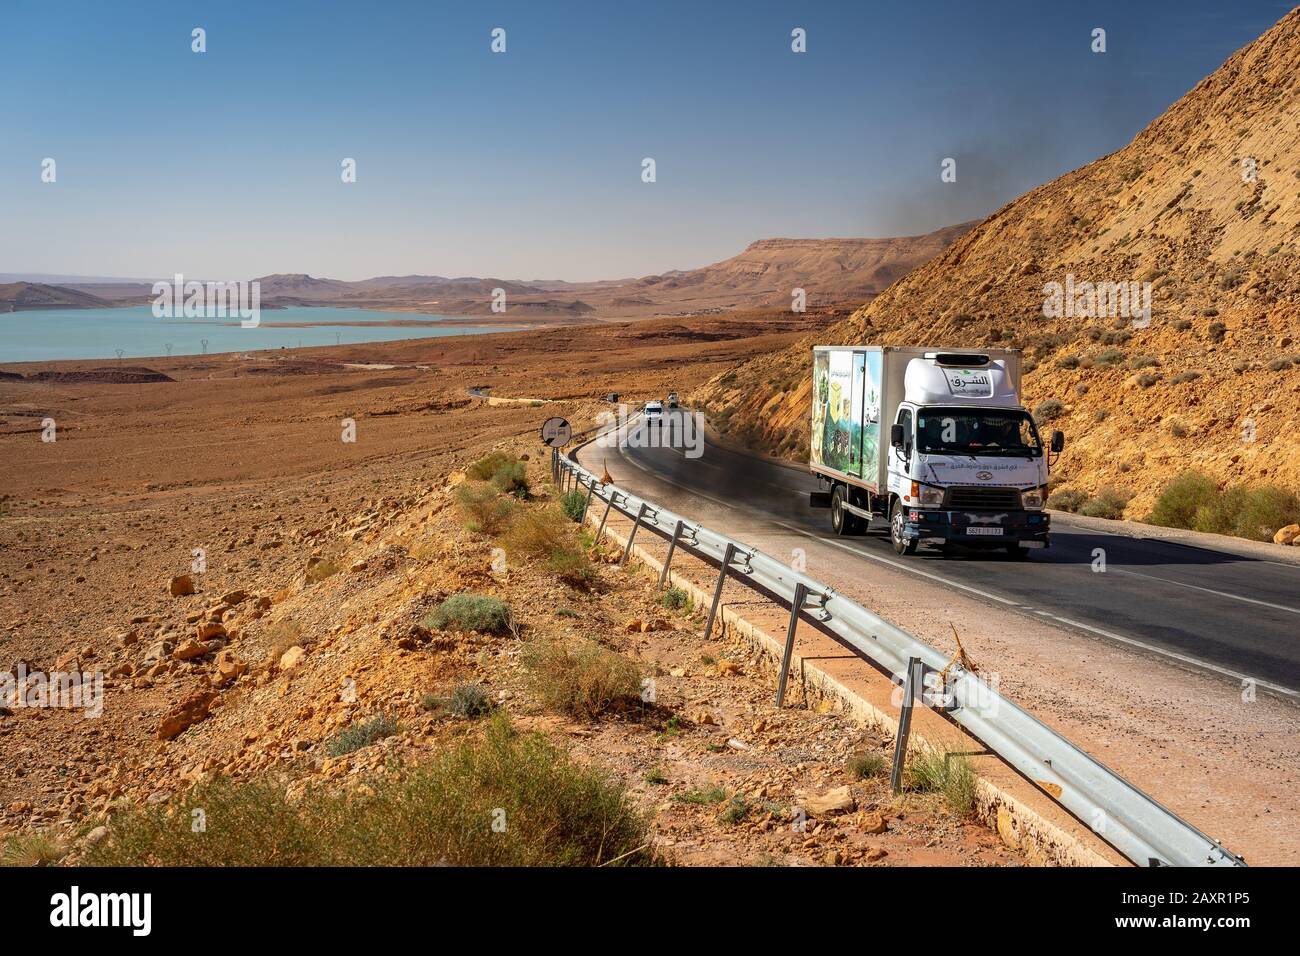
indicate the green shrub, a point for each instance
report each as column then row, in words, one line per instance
column 361, row 735
column 574, row 504
column 949, row 775
column 470, row 612
column 1048, row 410
column 1184, row 377
column 1143, row 361
column 484, row 510
column 31, row 849
column 675, row 599
column 512, row 478
column 1109, row 357
column 538, row 533
column 1267, row 509
column 1067, row 499
column 498, row 799
column 709, row 795
column 736, row 811
column 470, row 700
column 487, row 466
column 868, row 764
column 584, row 681
column 572, row 566
column 1106, row 503
column 1182, row 499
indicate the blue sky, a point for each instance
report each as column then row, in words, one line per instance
column 527, row 164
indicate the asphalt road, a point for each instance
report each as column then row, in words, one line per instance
column 1233, row 615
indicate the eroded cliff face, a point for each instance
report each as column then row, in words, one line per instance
column 1202, row 213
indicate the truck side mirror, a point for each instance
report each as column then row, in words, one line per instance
column 896, row 436
column 1058, row 442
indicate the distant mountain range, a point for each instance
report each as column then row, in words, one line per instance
column 765, row 274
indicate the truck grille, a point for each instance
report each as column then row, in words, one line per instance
column 1002, row 499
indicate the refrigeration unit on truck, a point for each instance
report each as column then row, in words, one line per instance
column 933, row 441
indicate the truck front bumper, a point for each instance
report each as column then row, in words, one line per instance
column 979, row 528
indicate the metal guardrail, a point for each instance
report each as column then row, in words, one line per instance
column 1143, row 830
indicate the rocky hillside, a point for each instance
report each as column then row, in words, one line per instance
column 1204, row 206
column 19, row 296
column 829, row 270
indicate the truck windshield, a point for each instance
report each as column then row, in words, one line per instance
column 976, row 431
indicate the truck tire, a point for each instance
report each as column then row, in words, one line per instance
column 902, row 545
column 842, row 521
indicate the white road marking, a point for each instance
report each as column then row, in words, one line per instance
column 1101, row 632
column 1197, row 587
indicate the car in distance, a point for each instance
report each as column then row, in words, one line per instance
column 654, row 413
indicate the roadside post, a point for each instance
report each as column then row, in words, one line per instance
column 796, row 605
column 911, row 688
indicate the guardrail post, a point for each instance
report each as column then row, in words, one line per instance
column 636, row 523
column 911, row 687
column 800, row 592
column 672, row 546
column 586, row 503
column 717, row 590
column 603, row 518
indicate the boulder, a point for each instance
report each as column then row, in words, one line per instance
column 210, row 629
column 181, row 585
column 229, row 667
column 835, row 800
column 1287, row 535
column 189, row 650
column 187, row 713
column 292, row 657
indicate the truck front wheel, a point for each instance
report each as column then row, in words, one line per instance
column 842, row 520
column 897, row 519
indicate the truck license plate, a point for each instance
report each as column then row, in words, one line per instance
column 992, row 531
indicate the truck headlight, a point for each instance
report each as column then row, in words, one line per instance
column 930, row 497
column 1032, row 499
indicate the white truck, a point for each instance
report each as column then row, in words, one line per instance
column 961, row 461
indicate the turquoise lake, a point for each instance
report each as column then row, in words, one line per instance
column 48, row 335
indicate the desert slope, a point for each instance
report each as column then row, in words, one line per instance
column 1204, row 205
column 22, row 296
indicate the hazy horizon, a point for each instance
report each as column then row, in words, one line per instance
column 527, row 164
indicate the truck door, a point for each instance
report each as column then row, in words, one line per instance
column 855, row 418
column 900, row 470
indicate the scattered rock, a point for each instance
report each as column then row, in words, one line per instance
column 187, row 713
column 1287, row 535
column 181, row 585
column 210, row 629
column 873, row 823
column 292, row 657
column 835, row 800
column 229, row 667
column 189, row 650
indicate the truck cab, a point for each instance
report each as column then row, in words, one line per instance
column 957, row 458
